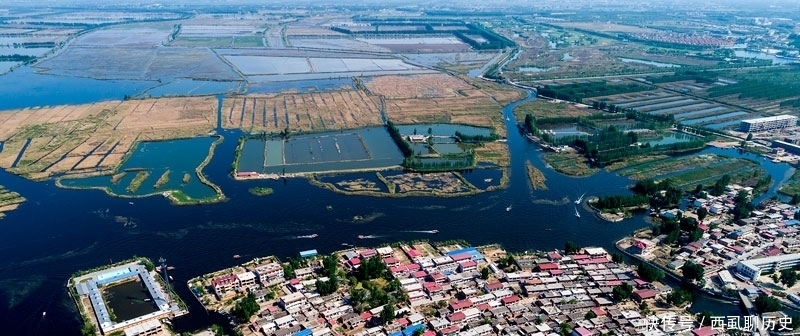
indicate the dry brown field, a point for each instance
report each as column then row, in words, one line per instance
column 306, row 112
column 417, row 86
column 66, row 138
column 310, row 31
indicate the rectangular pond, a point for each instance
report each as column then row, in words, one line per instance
column 643, row 102
column 443, row 129
column 727, row 123
column 671, row 138
column 679, row 108
column 720, row 117
column 651, row 107
column 129, row 300
column 367, row 148
column 700, row 112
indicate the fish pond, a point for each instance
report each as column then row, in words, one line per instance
column 155, row 167
column 367, row 148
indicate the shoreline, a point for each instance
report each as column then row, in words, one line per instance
column 166, row 193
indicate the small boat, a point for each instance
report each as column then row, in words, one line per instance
column 236, row 256
column 346, row 244
column 488, row 180
column 361, row 236
column 434, row 231
column 131, row 203
column 580, row 199
column 508, row 208
column 508, row 119
column 309, row 236
column 577, row 214
column 146, row 300
column 548, row 229
column 44, row 314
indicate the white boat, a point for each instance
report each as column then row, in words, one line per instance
column 577, row 214
column 44, row 314
column 580, row 199
column 131, row 203
column 508, row 208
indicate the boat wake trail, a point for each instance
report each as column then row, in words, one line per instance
column 424, row 231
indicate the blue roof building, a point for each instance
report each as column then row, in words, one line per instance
column 304, row 332
column 791, row 222
column 410, row 330
column 307, row 254
column 397, row 333
column 476, row 256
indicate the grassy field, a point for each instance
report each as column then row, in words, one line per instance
column 535, row 177
column 792, row 187
column 709, row 174
column 570, row 164
column 634, row 161
column 544, row 108
column 667, row 166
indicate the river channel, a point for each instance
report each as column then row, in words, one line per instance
column 59, row 231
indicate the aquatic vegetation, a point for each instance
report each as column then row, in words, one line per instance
column 137, row 181
column 261, row 191
column 164, row 179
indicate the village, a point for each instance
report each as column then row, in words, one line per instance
column 447, row 289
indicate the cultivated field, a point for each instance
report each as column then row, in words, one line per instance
column 417, row 86
column 479, row 105
column 550, row 108
column 266, row 65
column 96, row 136
column 306, row 112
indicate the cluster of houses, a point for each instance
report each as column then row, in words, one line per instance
column 727, row 246
column 447, row 296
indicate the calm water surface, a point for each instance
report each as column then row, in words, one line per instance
column 59, row 231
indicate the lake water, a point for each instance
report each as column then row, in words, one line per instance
column 443, row 129
column 537, row 69
column 655, row 64
column 59, row 231
column 24, row 88
column 763, row 56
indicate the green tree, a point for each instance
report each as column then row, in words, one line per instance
column 246, row 307
column 217, row 330
column 789, row 277
column 649, row 273
column 617, row 257
column 571, row 247
column 622, row 292
column 766, row 304
column 88, row 328
column 796, row 199
column 590, row 315
column 692, row 271
column 485, row 273
column 679, row 297
column 749, row 137
column 564, row 329
column 388, row 314
column 702, row 213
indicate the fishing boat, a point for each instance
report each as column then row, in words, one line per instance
column 580, row 199
column 508, row 208
column 236, row 256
